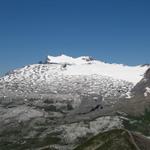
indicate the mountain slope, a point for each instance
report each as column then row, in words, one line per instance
column 63, row 101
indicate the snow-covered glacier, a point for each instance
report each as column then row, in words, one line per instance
column 64, row 74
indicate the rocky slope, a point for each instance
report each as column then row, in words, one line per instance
column 116, row 140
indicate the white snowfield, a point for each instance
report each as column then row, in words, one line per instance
column 67, row 75
column 85, row 66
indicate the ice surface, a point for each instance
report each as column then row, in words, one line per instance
column 84, row 66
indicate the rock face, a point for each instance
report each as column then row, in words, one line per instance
column 63, row 101
column 147, row 74
column 142, row 87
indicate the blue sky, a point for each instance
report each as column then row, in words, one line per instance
column 110, row 30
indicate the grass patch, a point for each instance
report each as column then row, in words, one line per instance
column 139, row 123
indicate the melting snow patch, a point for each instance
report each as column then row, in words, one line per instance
column 128, row 95
column 147, row 91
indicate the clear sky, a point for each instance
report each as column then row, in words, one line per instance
column 110, row 30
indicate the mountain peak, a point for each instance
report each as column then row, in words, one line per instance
column 67, row 59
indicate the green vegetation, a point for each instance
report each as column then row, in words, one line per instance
column 139, row 123
column 112, row 140
column 28, row 143
column 31, row 143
